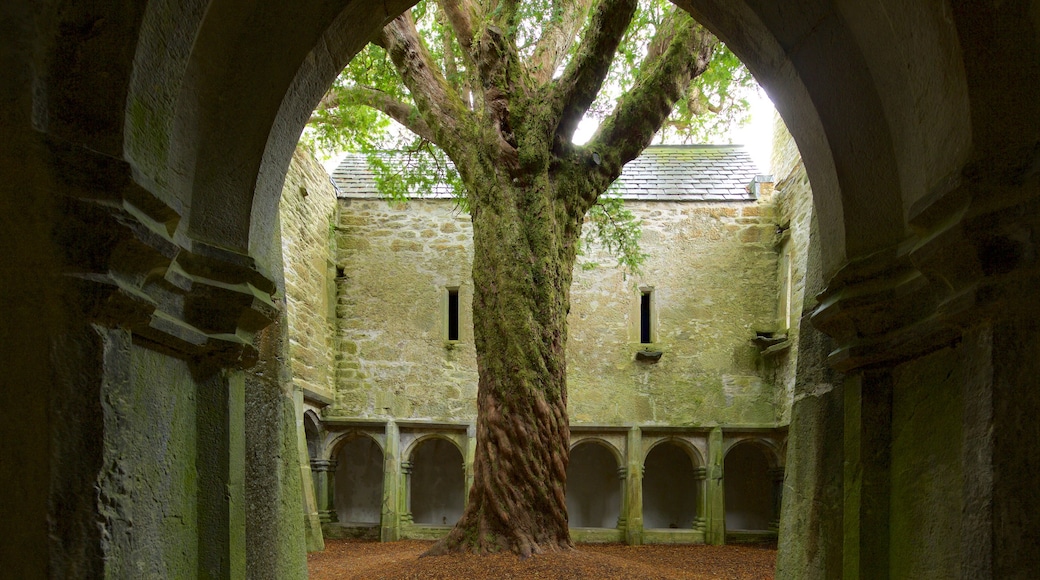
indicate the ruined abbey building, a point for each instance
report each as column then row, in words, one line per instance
column 680, row 378
column 149, row 426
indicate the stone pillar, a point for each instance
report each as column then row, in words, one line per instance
column 622, row 520
column 324, row 475
column 776, row 475
column 634, row 488
column 999, row 451
column 868, row 438
column 715, row 534
column 471, row 453
column 390, row 520
column 220, row 471
column 404, row 501
column 312, row 519
column 700, row 476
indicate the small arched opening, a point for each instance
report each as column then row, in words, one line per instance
column 359, row 482
column 593, row 487
column 671, row 489
column 436, row 483
column 312, row 432
column 749, row 489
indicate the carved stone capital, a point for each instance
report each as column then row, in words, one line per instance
column 973, row 256
column 127, row 267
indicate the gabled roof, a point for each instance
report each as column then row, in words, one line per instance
column 662, row 172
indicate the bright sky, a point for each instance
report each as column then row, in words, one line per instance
column 756, row 135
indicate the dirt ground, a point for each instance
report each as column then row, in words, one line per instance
column 359, row 560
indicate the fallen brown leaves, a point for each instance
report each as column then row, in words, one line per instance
column 356, row 560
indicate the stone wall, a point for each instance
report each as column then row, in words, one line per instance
column 794, row 209
column 712, row 272
column 306, row 212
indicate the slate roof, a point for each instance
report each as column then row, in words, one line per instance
column 662, row 172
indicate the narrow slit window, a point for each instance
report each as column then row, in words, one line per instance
column 644, row 317
column 453, row 313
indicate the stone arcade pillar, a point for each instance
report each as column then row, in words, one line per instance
column 312, row 519
column 634, row 488
column 149, row 391
column 622, row 519
column 471, row 453
column 393, row 474
column 700, row 476
column 940, row 342
column 868, row 461
column 715, row 514
column 324, row 471
column 776, row 476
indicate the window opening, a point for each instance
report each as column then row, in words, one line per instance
column 453, row 313
column 644, row 317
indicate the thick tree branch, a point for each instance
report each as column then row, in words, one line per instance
column 403, row 113
column 643, row 110
column 461, row 14
column 441, row 108
column 575, row 91
column 557, row 37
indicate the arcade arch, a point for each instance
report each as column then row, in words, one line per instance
column 672, row 492
column 358, row 480
column 594, row 485
column 436, row 482
column 751, row 487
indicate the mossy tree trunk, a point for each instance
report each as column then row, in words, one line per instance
column 528, row 190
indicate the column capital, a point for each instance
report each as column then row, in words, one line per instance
column 324, row 464
column 971, row 256
column 186, row 297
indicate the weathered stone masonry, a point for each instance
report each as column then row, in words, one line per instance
column 717, row 252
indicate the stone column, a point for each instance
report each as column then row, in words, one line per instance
column 776, row 475
column 312, row 520
column 999, row 450
column 471, row 453
column 390, row 520
column 715, row 533
column 405, row 496
column 868, row 438
column 700, row 475
column 622, row 520
column 324, row 473
column 634, row 488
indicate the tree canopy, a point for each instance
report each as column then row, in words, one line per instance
column 370, row 108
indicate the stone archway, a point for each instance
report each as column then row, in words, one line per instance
column 436, row 482
column 143, row 264
column 593, row 486
column 358, row 482
column 672, row 493
column 749, row 489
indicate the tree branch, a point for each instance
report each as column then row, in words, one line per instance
column 403, row 113
column 460, row 15
column 576, row 90
column 441, row 108
column 565, row 23
column 643, row 110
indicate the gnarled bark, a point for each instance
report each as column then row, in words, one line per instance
column 523, row 259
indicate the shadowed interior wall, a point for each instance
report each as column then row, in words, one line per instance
column 748, row 489
column 593, row 487
column 669, row 488
column 359, row 481
column 438, row 483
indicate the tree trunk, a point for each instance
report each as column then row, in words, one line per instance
column 524, row 251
